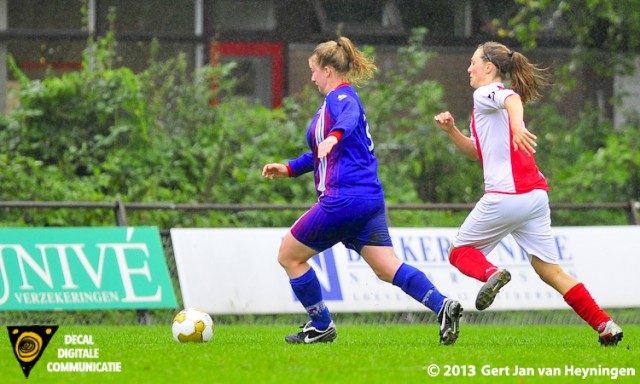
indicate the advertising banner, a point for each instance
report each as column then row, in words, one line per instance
column 83, row 268
column 235, row 271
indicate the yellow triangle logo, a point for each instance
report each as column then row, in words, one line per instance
column 29, row 342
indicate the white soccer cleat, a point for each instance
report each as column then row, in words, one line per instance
column 491, row 288
column 611, row 335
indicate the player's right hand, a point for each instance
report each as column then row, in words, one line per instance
column 445, row 120
column 275, row 171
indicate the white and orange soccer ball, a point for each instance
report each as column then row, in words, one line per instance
column 192, row 324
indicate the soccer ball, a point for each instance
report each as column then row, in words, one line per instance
column 192, row 324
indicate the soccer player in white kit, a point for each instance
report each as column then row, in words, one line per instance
column 516, row 193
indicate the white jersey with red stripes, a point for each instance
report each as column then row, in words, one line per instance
column 505, row 170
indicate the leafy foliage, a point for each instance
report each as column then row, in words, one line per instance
column 416, row 157
column 165, row 134
column 586, row 160
column 170, row 135
column 607, row 25
column 604, row 34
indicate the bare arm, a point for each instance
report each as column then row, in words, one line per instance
column 522, row 138
column 446, row 121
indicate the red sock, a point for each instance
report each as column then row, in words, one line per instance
column 581, row 301
column 472, row 263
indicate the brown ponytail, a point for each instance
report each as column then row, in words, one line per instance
column 343, row 56
column 526, row 78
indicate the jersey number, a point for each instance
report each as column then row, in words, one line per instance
column 369, row 135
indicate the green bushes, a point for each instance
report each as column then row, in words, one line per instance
column 168, row 135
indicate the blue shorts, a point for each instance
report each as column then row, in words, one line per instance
column 352, row 221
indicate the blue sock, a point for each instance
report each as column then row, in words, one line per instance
column 417, row 285
column 307, row 290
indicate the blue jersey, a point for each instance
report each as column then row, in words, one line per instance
column 351, row 168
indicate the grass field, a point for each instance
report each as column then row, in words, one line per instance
column 361, row 354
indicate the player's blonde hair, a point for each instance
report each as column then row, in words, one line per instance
column 343, row 56
column 526, row 78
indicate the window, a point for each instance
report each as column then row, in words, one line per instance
column 158, row 16
column 45, row 15
column 359, row 17
column 252, row 15
column 38, row 55
column 443, row 18
column 448, row 20
column 260, row 69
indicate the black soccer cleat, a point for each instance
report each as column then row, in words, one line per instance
column 449, row 318
column 310, row 334
column 491, row 288
column 611, row 334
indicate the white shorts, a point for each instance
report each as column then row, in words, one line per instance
column 526, row 217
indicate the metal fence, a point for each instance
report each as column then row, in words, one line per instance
column 121, row 208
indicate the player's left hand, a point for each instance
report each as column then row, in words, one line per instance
column 325, row 147
column 525, row 140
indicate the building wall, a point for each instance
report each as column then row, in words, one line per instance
column 449, row 68
column 50, row 36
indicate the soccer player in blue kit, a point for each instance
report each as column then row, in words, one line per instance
column 350, row 207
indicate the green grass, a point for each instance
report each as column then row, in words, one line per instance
column 361, row 354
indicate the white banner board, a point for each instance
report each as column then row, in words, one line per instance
column 235, row 271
